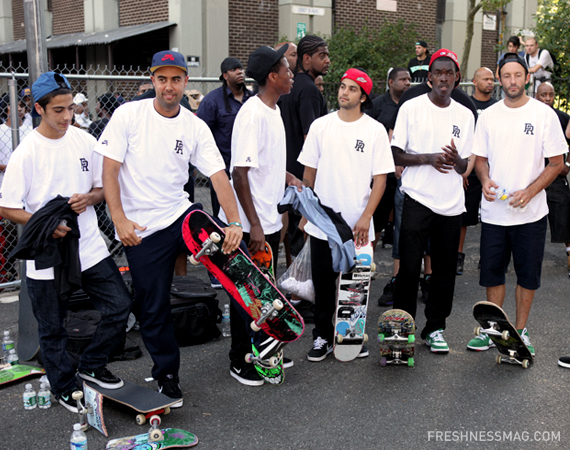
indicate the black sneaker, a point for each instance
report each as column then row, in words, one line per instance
column 246, row 374
column 387, row 298
column 287, row 362
column 364, row 352
column 320, row 350
column 460, row 263
column 170, row 386
column 564, row 361
column 102, row 377
column 66, row 400
column 424, row 286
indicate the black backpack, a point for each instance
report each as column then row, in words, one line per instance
column 556, row 70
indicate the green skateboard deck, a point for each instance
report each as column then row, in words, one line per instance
column 171, row 438
column 17, row 372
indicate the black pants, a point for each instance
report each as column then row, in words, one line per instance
column 418, row 224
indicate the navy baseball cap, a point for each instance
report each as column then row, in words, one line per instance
column 512, row 57
column 46, row 83
column 262, row 60
column 168, row 58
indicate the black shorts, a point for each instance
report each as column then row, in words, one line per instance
column 472, row 201
column 525, row 242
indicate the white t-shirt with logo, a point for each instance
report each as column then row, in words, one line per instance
column 346, row 155
column 6, row 143
column 41, row 169
column 258, row 142
column 155, row 152
column 421, row 128
column 515, row 141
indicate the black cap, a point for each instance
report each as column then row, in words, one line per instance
column 512, row 57
column 422, row 43
column 229, row 64
column 109, row 102
column 262, row 60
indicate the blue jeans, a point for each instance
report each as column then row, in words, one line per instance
column 106, row 288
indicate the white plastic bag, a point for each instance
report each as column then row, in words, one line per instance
column 298, row 278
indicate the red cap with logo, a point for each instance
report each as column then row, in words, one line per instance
column 361, row 78
column 445, row 53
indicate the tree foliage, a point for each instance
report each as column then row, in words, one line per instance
column 553, row 31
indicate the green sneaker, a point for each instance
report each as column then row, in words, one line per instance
column 524, row 336
column 436, row 342
column 481, row 343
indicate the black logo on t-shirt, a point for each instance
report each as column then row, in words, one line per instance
column 359, row 146
column 456, row 131
column 179, row 147
column 248, row 159
column 84, row 165
column 105, row 142
column 529, row 128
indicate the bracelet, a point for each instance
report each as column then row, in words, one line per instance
column 567, row 164
column 237, row 224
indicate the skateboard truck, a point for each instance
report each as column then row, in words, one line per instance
column 512, row 359
column 209, row 247
column 493, row 330
column 269, row 310
column 81, row 409
column 154, row 433
column 351, row 337
column 271, row 362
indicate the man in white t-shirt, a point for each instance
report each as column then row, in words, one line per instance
column 538, row 61
column 432, row 138
column 511, row 141
column 259, row 177
column 344, row 151
column 147, row 147
column 58, row 159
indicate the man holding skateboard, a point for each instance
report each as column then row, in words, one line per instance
column 432, row 138
column 147, row 147
column 346, row 145
column 57, row 159
column 512, row 140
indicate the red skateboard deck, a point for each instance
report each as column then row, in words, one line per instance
column 269, row 309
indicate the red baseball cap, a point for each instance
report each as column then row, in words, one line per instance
column 361, row 78
column 445, row 53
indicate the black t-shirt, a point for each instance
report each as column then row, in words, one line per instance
column 418, row 69
column 299, row 109
column 483, row 105
column 564, row 119
column 383, row 108
column 456, row 94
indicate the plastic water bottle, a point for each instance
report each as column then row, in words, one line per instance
column 13, row 358
column 30, row 401
column 226, row 330
column 78, row 439
column 504, row 195
column 44, row 397
column 7, row 344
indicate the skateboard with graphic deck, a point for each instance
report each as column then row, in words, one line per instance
column 10, row 374
column 264, row 260
column 351, row 306
column 496, row 324
column 269, row 309
column 268, row 360
column 169, row 438
column 396, row 335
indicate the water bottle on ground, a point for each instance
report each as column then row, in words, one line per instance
column 13, row 358
column 7, row 344
column 78, row 439
column 30, row 401
column 44, row 397
column 226, row 330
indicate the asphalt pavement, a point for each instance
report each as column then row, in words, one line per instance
column 459, row 400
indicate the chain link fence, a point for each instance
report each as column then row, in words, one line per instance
column 124, row 84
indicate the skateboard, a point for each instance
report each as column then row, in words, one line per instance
column 169, row 438
column 268, row 360
column 496, row 324
column 396, row 336
column 352, row 302
column 9, row 374
column 149, row 404
column 264, row 260
column 28, row 336
column 269, row 309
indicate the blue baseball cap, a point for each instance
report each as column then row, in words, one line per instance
column 168, row 58
column 46, row 83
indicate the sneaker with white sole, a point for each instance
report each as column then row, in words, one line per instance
column 481, row 343
column 102, row 377
column 170, row 386
column 321, row 349
column 363, row 352
column 287, row 363
column 66, row 400
column 436, row 342
column 246, row 374
column 564, row 361
column 524, row 336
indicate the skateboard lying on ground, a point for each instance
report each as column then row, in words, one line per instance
column 9, row 374
column 396, row 334
column 269, row 309
column 351, row 305
column 170, row 438
column 496, row 324
column 264, row 260
column 148, row 403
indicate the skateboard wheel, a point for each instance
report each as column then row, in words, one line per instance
column 339, row 338
column 274, row 361
column 499, row 359
column 77, row 395
column 365, row 338
column 154, row 421
column 194, row 261
column 383, row 362
column 248, row 358
column 141, row 419
column 254, row 326
column 381, row 338
column 477, row 331
column 373, row 267
column 411, row 338
column 167, row 411
column 215, row 237
column 278, row 304
column 505, row 335
column 411, row 362
column 525, row 364
column 155, row 435
column 84, row 426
